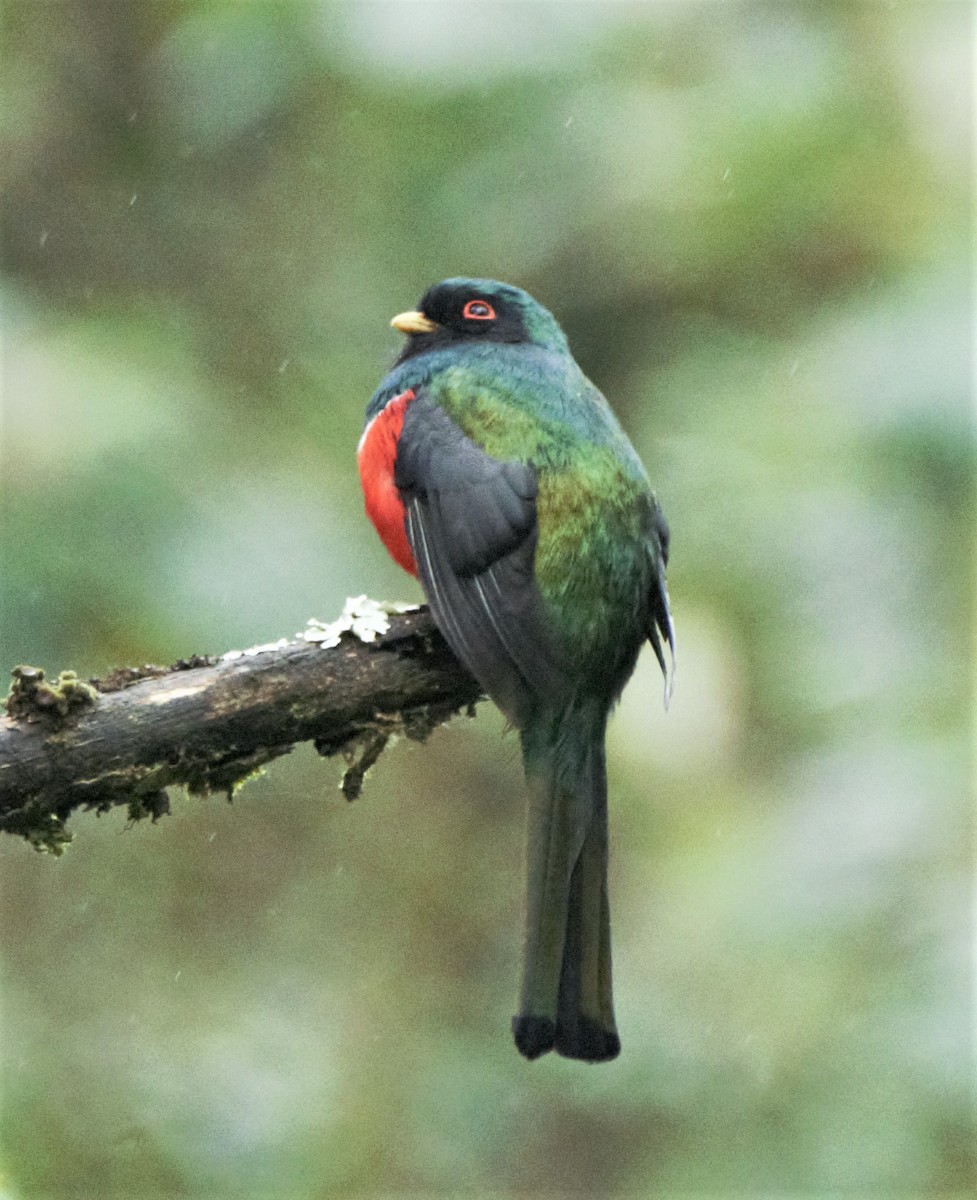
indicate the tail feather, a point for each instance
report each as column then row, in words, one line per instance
column 585, row 1025
column 566, row 1000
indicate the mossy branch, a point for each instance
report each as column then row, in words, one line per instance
column 208, row 723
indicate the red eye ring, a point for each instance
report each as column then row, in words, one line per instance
column 478, row 310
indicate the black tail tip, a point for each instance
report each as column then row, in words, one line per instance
column 533, row 1035
column 585, row 1040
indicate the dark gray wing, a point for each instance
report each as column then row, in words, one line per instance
column 471, row 523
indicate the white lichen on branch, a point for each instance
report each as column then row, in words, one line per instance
column 364, row 618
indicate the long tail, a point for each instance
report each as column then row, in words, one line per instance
column 566, row 1002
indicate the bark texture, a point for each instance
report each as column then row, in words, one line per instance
column 208, row 723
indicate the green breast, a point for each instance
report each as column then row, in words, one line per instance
column 592, row 563
column 594, row 503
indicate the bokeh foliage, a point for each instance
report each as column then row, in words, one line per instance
column 753, row 220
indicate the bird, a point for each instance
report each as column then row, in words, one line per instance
column 496, row 473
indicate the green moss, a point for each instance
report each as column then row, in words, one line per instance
column 154, row 804
column 362, row 752
column 46, row 831
column 32, row 697
column 360, row 756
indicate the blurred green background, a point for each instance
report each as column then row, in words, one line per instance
column 754, row 222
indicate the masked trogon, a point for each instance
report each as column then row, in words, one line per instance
column 496, row 473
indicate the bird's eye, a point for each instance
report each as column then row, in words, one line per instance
column 478, row 310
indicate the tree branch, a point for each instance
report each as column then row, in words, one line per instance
column 209, row 723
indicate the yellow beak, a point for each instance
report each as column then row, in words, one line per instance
column 413, row 322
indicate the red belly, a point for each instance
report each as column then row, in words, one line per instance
column 376, row 456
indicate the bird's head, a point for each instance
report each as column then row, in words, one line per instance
column 458, row 311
